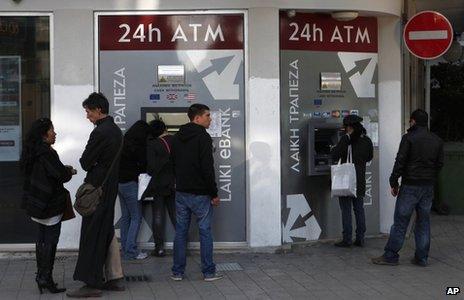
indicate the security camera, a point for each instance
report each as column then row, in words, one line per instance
column 291, row 13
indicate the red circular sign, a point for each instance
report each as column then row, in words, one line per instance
column 428, row 34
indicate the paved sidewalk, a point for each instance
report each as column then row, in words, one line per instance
column 312, row 271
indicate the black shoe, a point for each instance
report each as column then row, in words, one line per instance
column 45, row 261
column 342, row 244
column 417, row 262
column 359, row 243
column 159, row 252
column 115, row 285
column 382, row 261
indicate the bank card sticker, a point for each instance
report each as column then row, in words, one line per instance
column 336, row 114
column 215, row 128
column 317, row 114
column 354, row 112
column 326, row 114
column 317, row 102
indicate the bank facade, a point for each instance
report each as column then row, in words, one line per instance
column 278, row 76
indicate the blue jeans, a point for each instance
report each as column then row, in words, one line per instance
column 201, row 207
column 131, row 218
column 358, row 208
column 410, row 198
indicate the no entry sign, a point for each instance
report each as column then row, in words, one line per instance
column 428, row 34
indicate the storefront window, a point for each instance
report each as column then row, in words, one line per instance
column 24, row 97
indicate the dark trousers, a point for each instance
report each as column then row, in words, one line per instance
column 159, row 207
column 358, row 207
column 410, row 198
column 49, row 234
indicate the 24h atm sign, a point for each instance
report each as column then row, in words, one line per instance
column 428, row 34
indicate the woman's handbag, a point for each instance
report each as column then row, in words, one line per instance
column 344, row 177
column 88, row 197
column 68, row 213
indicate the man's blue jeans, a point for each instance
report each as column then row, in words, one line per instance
column 411, row 198
column 201, row 207
column 131, row 218
column 358, row 208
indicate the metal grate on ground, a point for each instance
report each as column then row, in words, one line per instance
column 228, row 267
column 135, row 278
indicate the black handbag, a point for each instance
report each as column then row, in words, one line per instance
column 88, row 197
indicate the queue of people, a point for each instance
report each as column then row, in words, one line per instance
column 183, row 183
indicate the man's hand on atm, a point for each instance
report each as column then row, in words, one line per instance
column 394, row 191
column 215, row 201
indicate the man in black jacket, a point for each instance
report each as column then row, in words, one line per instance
column 98, row 247
column 362, row 153
column 419, row 159
column 196, row 190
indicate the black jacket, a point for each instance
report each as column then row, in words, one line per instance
column 363, row 152
column 44, row 195
column 160, row 166
column 133, row 160
column 192, row 155
column 419, row 158
column 97, row 230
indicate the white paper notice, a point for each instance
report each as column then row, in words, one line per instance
column 215, row 128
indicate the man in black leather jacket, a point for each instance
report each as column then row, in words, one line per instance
column 419, row 159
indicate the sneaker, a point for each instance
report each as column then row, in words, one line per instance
column 417, row 262
column 159, row 252
column 177, row 277
column 382, row 261
column 342, row 244
column 142, row 255
column 213, row 277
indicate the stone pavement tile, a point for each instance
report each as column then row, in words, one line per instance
column 228, row 288
column 162, row 289
column 206, row 290
column 29, row 294
column 8, row 294
column 126, row 295
column 248, row 287
column 184, row 289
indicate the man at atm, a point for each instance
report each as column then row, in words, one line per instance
column 363, row 152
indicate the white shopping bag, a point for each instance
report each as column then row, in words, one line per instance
column 344, row 177
column 144, row 181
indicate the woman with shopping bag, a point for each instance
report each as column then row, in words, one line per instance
column 133, row 163
column 353, row 148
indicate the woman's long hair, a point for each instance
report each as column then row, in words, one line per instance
column 34, row 139
column 358, row 130
column 137, row 133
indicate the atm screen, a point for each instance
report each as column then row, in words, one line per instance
column 172, row 117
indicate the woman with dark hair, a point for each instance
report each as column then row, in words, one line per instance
column 44, row 197
column 133, row 163
column 362, row 153
column 161, row 187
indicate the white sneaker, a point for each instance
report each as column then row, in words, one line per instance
column 142, row 255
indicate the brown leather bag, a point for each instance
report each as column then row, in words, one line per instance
column 68, row 213
column 88, row 197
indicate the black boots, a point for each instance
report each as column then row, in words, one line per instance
column 45, row 256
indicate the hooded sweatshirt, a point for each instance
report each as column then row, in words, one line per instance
column 192, row 155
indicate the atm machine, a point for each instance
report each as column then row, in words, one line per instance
column 323, row 135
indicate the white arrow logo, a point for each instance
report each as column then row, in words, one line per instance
column 360, row 68
column 219, row 70
column 301, row 223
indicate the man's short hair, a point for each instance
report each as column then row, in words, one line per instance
column 420, row 116
column 196, row 109
column 97, row 100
